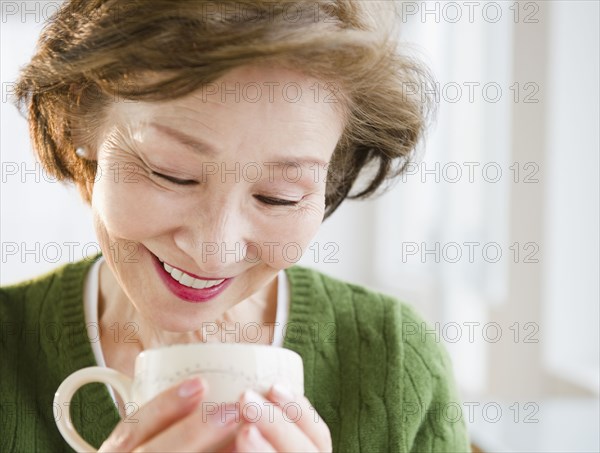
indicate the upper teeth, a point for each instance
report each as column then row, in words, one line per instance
column 188, row 280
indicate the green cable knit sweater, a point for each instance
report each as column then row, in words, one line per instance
column 378, row 384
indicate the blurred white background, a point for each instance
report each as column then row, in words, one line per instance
column 493, row 235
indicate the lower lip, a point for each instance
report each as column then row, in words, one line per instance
column 186, row 293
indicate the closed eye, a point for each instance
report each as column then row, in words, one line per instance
column 180, row 182
column 266, row 200
column 275, row 201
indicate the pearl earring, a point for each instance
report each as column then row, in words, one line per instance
column 81, row 152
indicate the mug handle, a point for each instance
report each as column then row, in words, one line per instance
column 121, row 383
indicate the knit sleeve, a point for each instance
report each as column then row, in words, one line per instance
column 431, row 412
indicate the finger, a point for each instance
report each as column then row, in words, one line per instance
column 154, row 416
column 310, row 422
column 250, row 440
column 278, row 429
column 196, row 432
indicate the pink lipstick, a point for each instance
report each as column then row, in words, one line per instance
column 187, row 293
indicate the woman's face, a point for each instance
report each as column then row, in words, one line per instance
column 226, row 184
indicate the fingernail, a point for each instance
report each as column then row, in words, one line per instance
column 251, row 409
column 282, row 391
column 190, row 387
column 250, row 396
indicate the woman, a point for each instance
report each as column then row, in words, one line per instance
column 211, row 139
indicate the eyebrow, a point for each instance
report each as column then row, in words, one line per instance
column 189, row 142
column 198, row 146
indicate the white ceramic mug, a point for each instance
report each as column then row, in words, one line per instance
column 228, row 368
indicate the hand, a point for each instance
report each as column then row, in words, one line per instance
column 169, row 422
column 268, row 429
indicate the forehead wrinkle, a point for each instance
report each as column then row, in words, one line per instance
column 190, row 114
column 199, row 98
column 164, row 121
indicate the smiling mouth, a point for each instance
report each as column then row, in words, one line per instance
column 188, row 280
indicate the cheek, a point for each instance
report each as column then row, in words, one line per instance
column 128, row 208
column 283, row 241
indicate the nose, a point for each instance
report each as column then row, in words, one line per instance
column 216, row 239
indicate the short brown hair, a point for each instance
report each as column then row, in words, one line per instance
column 91, row 50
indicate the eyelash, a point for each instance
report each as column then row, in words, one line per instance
column 179, row 182
column 275, row 201
column 266, row 200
